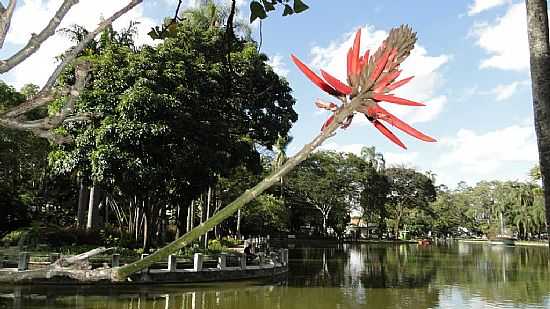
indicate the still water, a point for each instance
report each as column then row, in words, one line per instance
column 341, row 276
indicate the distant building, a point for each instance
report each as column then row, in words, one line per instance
column 358, row 228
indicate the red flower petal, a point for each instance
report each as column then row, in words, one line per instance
column 315, row 78
column 349, row 62
column 336, row 83
column 365, row 60
column 388, row 78
column 383, row 114
column 394, row 99
column 400, row 83
column 355, row 52
column 328, row 122
column 380, row 65
column 377, row 124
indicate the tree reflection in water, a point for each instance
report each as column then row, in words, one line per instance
column 339, row 276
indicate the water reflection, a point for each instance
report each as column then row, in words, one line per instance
column 341, row 276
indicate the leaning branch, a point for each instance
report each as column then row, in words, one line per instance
column 71, row 55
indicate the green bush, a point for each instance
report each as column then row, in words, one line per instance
column 13, row 237
column 215, row 246
column 231, row 242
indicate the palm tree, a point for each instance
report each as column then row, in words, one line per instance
column 209, row 14
column 539, row 47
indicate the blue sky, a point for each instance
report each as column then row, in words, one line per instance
column 470, row 66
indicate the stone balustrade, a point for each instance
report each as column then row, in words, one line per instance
column 278, row 258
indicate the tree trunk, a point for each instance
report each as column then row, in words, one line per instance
column 164, row 224
column 146, row 228
column 191, row 217
column 396, row 227
column 83, row 200
column 325, row 217
column 179, row 223
column 93, row 208
column 106, row 210
column 239, row 223
column 208, row 201
column 537, row 29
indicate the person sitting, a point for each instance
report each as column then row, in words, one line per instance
column 249, row 253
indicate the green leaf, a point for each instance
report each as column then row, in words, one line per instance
column 268, row 5
column 299, row 6
column 256, row 11
column 288, row 10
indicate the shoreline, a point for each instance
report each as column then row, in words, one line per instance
column 526, row 243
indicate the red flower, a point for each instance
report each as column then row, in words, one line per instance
column 372, row 78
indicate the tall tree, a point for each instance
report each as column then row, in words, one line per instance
column 322, row 183
column 409, row 190
column 539, row 48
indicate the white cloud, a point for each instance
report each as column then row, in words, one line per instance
column 401, row 158
column 472, row 156
column 31, row 16
column 185, row 3
column 482, row 5
column 503, row 92
column 278, row 65
column 505, row 40
column 500, row 92
column 424, row 67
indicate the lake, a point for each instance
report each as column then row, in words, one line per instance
column 451, row 275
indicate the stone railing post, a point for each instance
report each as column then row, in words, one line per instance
column 243, row 261
column 115, row 260
column 23, row 263
column 285, row 256
column 222, row 261
column 282, row 257
column 261, row 257
column 197, row 261
column 146, row 270
column 172, row 263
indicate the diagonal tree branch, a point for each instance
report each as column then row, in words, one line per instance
column 70, row 56
column 37, row 39
column 5, row 20
column 41, row 127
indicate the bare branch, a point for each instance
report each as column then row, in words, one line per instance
column 13, row 118
column 37, row 39
column 5, row 20
column 52, row 136
column 42, row 127
column 36, row 101
column 81, row 73
column 70, row 56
